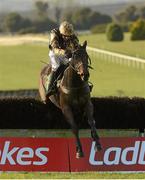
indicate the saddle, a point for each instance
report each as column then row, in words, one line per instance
column 44, row 79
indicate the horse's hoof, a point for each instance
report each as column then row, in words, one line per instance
column 79, row 155
column 97, row 147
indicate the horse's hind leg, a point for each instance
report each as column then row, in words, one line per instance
column 69, row 117
column 91, row 121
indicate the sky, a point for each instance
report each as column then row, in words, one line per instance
column 109, row 1
column 29, row 4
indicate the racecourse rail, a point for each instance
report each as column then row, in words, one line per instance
column 96, row 52
column 118, row 58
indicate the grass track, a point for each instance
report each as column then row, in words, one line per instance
column 111, row 79
column 132, row 48
column 65, row 133
column 86, row 175
column 20, row 67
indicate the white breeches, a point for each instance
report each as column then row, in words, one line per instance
column 56, row 61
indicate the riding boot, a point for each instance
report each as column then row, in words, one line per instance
column 52, row 84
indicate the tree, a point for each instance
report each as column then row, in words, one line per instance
column 67, row 16
column 114, row 32
column 85, row 18
column 13, row 22
column 80, row 18
column 121, row 18
column 142, row 12
column 138, row 30
column 44, row 25
column 42, row 8
column 57, row 14
column 97, row 18
column 130, row 14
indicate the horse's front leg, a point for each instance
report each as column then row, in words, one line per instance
column 89, row 112
column 70, row 118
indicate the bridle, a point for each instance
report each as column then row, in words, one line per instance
column 86, row 64
column 75, row 66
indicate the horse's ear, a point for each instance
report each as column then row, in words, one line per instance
column 85, row 44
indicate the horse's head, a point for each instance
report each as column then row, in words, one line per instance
column 80, row 62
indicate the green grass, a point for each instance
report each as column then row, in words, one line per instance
column 20, row 67
column 111, row 79
column 132, row 48
column 86, row 175
column 67, row 133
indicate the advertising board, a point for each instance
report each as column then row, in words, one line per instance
column 34, row 154
column 59, row 154
column 118, row 154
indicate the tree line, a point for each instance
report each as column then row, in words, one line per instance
column 130, row 14
column 82, row 19
column 132, row 19
column 115, row 32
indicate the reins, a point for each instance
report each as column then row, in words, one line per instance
column 88, row 64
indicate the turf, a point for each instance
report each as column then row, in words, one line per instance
column 66, row 133
column 20, row 67
column 111, row 79
column 86, row 175
column 132, row 48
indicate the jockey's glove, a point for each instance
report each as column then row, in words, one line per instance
column 68, row 54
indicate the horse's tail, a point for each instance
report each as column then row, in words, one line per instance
column 42, row 91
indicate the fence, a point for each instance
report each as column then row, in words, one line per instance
column 25, row 112
column 117, row 58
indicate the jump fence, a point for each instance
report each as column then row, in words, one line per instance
column 24, row 111
column 21, row 110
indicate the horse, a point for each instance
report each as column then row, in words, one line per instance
column 73, row 96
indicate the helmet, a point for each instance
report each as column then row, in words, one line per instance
column 66, row 28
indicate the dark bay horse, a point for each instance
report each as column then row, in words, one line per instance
column 73, row 96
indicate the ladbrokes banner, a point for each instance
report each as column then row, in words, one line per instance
column 33, row 154
column 118, row 154
column 58, row 154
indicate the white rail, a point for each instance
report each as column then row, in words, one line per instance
column 118, row 58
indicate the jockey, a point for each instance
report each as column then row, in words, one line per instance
column 62, row 42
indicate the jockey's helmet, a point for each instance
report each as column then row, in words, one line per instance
column 66, row 29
